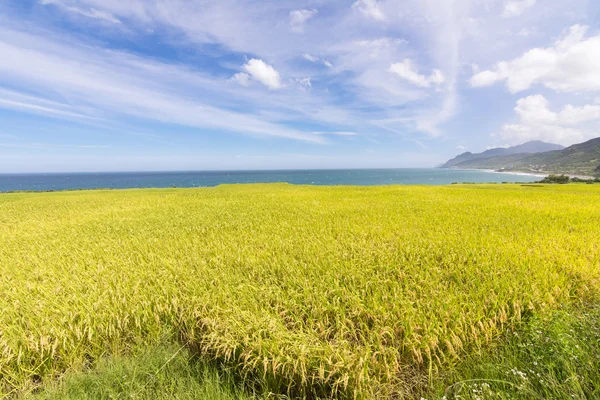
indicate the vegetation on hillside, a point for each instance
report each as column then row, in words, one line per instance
column 579, row 159
column 344, row 292
column 535, row 146
column 563, row 179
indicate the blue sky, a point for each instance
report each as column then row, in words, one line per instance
column 114, row 85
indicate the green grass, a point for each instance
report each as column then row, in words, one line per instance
column 165, row 372
column 551, row 357
column 345, row 292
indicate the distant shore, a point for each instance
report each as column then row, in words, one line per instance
column 523, row 173
column 494, row 171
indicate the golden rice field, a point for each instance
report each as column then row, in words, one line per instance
column 336, row 292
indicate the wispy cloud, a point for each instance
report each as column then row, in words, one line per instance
column 299, row 17
column 399, row 70
column 514, row 8
column 90, row 13
column 360, row 60
column 35, row 145
column 370, row 8
column 408, row 71
column 337, row 133
column 118, row 83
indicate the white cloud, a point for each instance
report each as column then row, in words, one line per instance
column 310, row 58
column 527, row 32
column 436, row 77
column 535, row 110
column 299, row 17
column 571, row 115
column 302, row 83
column 90, row 13
column 461, row 148
column 104, row 85
column 336, row 133
column 305, row 82
column 538, row 121
column 572, row 65
column 381, row 44
column 372, row 94
column 519, row 133
column 370, row 8
column 242, row 78
column 406, row 70
column 315, row 59
column 263, row 73
column 514, row 8
column 485, row 78
column 21, row 102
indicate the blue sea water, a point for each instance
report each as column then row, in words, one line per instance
column 362, row 177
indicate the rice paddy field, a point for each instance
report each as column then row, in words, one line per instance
column 298, row 291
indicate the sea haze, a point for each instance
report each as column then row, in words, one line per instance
column 360, row 177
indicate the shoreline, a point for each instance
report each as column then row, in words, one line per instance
column 523, row 173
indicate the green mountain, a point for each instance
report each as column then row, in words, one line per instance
column 579, row 159
column 535, row 146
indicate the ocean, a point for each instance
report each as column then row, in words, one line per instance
column 360, row 177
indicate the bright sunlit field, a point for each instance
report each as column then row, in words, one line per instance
column 344, row 292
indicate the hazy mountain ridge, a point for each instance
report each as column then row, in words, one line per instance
column 535, row 146
column 579, row 159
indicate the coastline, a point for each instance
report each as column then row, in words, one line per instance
column 523, row 173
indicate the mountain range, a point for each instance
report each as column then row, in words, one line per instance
column 537, row 157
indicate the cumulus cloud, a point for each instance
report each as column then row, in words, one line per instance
column 576, row 115
column 90, row 13
column 370, row 8
column 536, row 109
column 538, row 121
column 514, row 8
column 262, row 72
column 407, row 71
column 572, row 64
column 299, row 17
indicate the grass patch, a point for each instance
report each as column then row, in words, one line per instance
column 165, row 372
column 551, row 357
column 343, row 292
